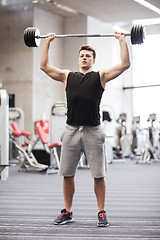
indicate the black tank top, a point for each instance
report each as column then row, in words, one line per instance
column 84, row 93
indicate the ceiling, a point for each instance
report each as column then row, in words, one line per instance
column 121, row 12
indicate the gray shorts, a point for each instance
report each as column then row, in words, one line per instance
column 90, row 141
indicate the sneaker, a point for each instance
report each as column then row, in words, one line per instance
column 102, row 219
column 64, row 217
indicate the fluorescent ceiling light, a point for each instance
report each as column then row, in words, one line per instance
column 38, row 1
column 148, row 5
column 3, row 2
column 63, row 7
column 146, row 22
column 60, row 6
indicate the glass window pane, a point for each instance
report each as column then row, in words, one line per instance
column 146, row 71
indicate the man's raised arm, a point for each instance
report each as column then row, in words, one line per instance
column 109, row 74
column 51, row 71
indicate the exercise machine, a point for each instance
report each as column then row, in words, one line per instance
column 15, row 115
column 50, row 149
column 26, row 157
column 123, row 138
column 149, row 144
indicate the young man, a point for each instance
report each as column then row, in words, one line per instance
column 83, row 133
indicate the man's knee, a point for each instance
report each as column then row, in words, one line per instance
column 97, row 180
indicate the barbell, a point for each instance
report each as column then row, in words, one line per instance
column 32, row 37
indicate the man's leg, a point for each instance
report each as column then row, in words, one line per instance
column 68, row 192
column 100, row 190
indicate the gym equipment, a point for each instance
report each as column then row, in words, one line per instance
column 15, row 115
column 28, row 161
column 144, row 153
column 51, row 149
column 32, row 37
column 154, row 134
column 149, row 144
column 117, row 143
column 123, row 139
column 135, row 131
column 108, row 149
column 58, row 121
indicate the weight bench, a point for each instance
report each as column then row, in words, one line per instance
column 51, row 149
column 29, row 162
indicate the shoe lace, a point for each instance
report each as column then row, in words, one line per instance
column 102, row 215
column 63, row 213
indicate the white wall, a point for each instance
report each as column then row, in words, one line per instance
column 72, row 45
column 16, row 61
column 146, row 72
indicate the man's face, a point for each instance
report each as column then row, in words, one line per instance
column 86, row 59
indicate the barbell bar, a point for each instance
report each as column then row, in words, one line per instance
column 32, row 36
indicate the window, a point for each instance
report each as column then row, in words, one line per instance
column 146, row 73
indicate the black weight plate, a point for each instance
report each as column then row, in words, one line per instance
column 33, row 36
column 35, row 39
column 35, row 45
column 138, row 40
column 29, row 37
column 132, row 29
column 141, row 34
column 26, row 37
column 133, row 35
column 136, row 34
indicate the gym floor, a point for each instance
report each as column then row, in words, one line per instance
column 30, row 201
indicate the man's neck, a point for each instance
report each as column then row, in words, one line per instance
column 84, row 70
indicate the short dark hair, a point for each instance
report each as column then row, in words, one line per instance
column 87, row 47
